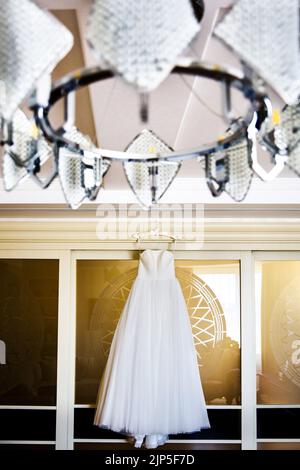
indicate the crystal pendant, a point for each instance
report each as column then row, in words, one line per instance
column 230, row 170
column 26, row 153
column 141, row 40
column 32, row 42
column 265, row 34
column 286, row 136
column 80, row 175
column 149, row 181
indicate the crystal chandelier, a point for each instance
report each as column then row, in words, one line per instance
column 142, row 43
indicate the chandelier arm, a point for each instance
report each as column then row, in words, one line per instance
column 226, row 101
column 168, row 157
column 54, row 136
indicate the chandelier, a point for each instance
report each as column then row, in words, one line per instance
column 142, row 43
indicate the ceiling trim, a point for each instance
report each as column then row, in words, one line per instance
column 283, row 191
column 233, row 235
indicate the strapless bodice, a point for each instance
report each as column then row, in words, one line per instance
column 156, row 264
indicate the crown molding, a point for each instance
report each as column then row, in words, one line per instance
column 218, row 234
column 269, row 219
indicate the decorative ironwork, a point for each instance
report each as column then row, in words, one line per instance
column 285, row 331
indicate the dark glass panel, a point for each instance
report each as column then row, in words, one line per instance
column 28, row 331
column 27, row 425
column 278, row 423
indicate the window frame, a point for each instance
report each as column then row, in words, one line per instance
column 275, row 256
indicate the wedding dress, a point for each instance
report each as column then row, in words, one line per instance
column 151, row 385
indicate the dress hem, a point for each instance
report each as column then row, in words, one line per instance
column 134, row 433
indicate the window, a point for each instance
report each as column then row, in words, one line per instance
column 28, row 338
column 28, row 329
column 278, row 350
column 278, row 341
column 212, row 292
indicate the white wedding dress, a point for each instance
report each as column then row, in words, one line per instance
column 151, row 385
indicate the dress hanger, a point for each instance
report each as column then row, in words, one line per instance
column 155, row 236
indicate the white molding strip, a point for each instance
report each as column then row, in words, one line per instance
column 279, row 256
column 71, row 372
column 182, row 190
column 248, row 359
column 25, row 407
column 209, row 407
column 63, row 351
column 219, row 234
column 170, row 441
column 277, row 406
column 278, row 440
column 28, row 442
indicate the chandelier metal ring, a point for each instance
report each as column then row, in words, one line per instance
column 259, row 110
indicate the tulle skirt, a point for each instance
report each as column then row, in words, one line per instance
column 151, row 384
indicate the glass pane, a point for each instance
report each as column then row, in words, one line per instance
column 212, row 293
column 26, row 447
column 27, row 425
column 278, row 332
column 102, row 290
column 28, row 331
column 278, row 423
